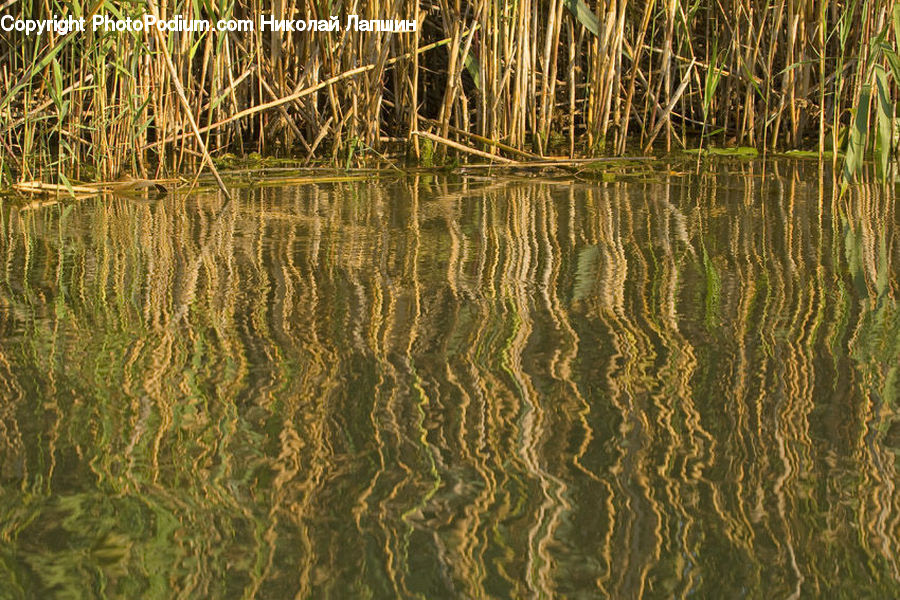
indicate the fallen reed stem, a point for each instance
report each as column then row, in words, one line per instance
column 462, row 148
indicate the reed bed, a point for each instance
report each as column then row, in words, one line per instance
column 559, row 77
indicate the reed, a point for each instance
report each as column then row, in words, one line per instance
column 575, row 77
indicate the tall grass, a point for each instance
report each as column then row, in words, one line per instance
column 553, row 77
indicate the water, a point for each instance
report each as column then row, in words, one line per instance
column 662, row 386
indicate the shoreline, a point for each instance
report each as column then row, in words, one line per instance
column 258, row 171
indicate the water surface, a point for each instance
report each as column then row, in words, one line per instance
column 681, row 385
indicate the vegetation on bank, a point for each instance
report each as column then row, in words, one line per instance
column 502, row 78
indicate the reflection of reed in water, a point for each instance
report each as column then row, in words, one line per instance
column 451, row 387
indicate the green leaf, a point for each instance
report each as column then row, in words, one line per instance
column 195, row 46
column 66, row 183
column 896, row 19
column 584, row 15
column 474, row 69
column 111, row 8
column 894, row 62
column 859, row 129
column 57, row 81
column 37, row 67
column 847, row 19
column 713, row 73
column 885, row 111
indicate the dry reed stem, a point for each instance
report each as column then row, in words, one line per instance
column 457, row 146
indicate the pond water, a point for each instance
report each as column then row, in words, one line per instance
column 468, row 386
